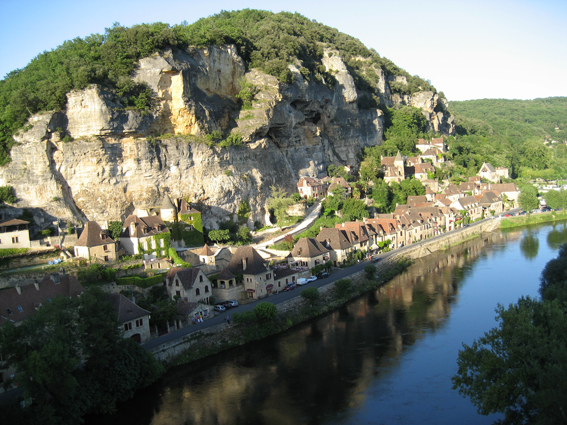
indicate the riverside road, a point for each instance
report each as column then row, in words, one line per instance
column 278, row 298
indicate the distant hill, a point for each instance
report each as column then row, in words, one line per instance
column 517, row 134
column 513, row 120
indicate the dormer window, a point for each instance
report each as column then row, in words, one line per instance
column 9, row 310
column 20, row 309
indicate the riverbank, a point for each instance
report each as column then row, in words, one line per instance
column 214, row 339
column 530, row 219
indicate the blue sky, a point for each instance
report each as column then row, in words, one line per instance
column 468, row 49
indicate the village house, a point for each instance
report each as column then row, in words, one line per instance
column 311, row 187
column 394, row 168
column 488, row 172
column 391, row 229
column 337, row 242
column 309, row 252
column 470, row 205
column 188, row 284
column 94, row 243
column 434, row 155
column 340, row 182
column 134, row 320
column 284, row 277
column 357, row 234
column 145, row 235
column 14, row 233
column 489, row 201
column 452, row 192
column 508, row 191
column 423, row 170
column 21, row 302
column 257, row 277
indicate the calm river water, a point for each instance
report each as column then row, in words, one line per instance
column 385, row 358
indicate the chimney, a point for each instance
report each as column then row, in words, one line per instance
column 18, row 289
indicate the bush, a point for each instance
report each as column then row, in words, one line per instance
column 343, row 287
column 141, row 282
column 12, row 251
column 370, row 270
column 7, row 195
column 311, row 295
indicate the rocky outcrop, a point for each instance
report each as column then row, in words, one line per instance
column 120, row 159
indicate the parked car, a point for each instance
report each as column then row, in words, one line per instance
column 322, row 275
column 220, row 307
column 311, row 279
column 302, row 281
column 290, row 287
column 230, row 304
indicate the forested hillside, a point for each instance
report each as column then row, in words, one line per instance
column 265, row 40
column 517, row 134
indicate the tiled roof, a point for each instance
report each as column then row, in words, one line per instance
column 206, row 251
column 333, row 238
column 308, row 247
column 12, row 222
column 246, row 260
column 125, row 309
column 93, row 235
column 144, row 226
column 23, row 304
column 187, row 276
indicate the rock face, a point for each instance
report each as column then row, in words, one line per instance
column 120, row 159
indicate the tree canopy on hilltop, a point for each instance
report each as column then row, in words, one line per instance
column 264, row 39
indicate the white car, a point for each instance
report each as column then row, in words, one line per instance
column 302, row 281
column 311, row 279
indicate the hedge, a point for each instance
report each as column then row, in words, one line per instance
column 6, row 252
column 140, row 281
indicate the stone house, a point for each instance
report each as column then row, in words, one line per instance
column 391, row 229
column 394, row 168
column 188, row 284
column 145, row 235
column 134, row 320
column 284, row 277
column 257, row 277
column 508, row 191
column 21, row 302
column 358, row 235
column 452, row 192
column 311, row 187
column 489, row 201
column 95, row 243
column 340, row 182
column 14, row 233
column 309, row 252
column 470, row 205
column 337, row 242
column 488, row 172
column 421, row 171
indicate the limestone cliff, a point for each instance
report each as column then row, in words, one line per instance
column 120, row 159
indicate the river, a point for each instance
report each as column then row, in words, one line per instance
column 384, row 358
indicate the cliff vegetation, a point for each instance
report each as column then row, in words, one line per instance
column 264, row 40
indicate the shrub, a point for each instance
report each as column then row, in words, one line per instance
column 370, row 270
column 12, row 251
column 140, row 281
column 343, row 287
column 7, row 194
column 245, row 317
column 311, row 295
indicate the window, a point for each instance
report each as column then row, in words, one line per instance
column 200, row 278
column 9, row 310
column 161, row 243
column 197, row 291
column 176, row 283
column 16, row 239
column 106, row 258
column 268, row 276
column 178, row 293
column 105, row 247
column 206, row 288
column 20, row 309
column 139, row 323
column 127, row 326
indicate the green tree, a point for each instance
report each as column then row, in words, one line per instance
column 354, row 209
column 115, row 228
column 370, row 271
column 219, row 236
column 243, row 211
column 553, row 280
column 244, row 236
column 518, row 368
column 311, row 295
column 7, row 194
column 343, row 287
column 265, row 312
column 528, row 199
